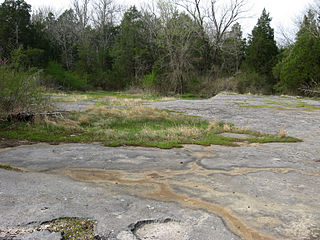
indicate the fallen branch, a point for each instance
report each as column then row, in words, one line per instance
column 30, row 116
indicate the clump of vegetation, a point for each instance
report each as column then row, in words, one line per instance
column 134, row 126
column 65, row 79
column 73, row 228
column 9, row 168
column 20, row 91
column 299, row 68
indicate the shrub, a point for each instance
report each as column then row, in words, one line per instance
column 149, row 80
column 64, row 78
column 212, row 87
column 27, row 58
column 253, row 82
column 20, row 91
column 193, row 85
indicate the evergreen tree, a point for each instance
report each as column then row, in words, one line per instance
column 300, row 68
column 130, row 50
column 261, row 52
column 15, row 27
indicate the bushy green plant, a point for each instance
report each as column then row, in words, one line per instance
column 64, row 78
column 107, row 80
column 27, row 58
column 300, row 68
column 193, row 85
column 149, row 80
column 20, row 91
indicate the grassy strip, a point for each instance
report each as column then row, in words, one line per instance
column 9, row 168
column 73, row 228
column 281, row 106
column 82, row 96
column 135, row 126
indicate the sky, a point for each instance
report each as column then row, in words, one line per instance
column 284, row 13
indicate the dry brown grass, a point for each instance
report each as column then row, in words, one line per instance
column 227, row 127
column 84, row 120
column 71, row 98
column 134, row 113
column 282, row 133
column 213, row 124
column 246, row 128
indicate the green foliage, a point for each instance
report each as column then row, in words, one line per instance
column 130, row 50
column 300, row 67
column 262, row 48
column 193, row 85
column 260, row 55
column 254, row 82
column 19, row 91
column 15, row 27
column 107, row 80
column 64, row 78
column 169, row 52
column 27, row 58
column 149, row 80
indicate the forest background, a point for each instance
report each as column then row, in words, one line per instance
column 168, row 47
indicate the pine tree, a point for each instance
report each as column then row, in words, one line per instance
column 130, row 51
column 262, row 50
column 300, row 68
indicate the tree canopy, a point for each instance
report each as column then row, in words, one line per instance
column 181, row 46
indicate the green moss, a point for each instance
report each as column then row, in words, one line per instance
column 279, row 105
column 9, row 168
column 73, row 228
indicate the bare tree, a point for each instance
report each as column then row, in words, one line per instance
column 40, row 14
column 215, row 18
column 63, row 31
column 105, row 12
column 177, row 35
column 287, row 36
column 81, row 10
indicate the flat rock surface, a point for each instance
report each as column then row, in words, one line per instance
column 254, row 191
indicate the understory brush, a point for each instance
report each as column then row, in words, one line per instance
column 20, row 91
column 56, row 74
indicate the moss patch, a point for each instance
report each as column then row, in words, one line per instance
column 281, row 105
column 73, row 228
column 9, row 168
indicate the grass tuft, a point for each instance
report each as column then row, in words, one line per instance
column 282, row 133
